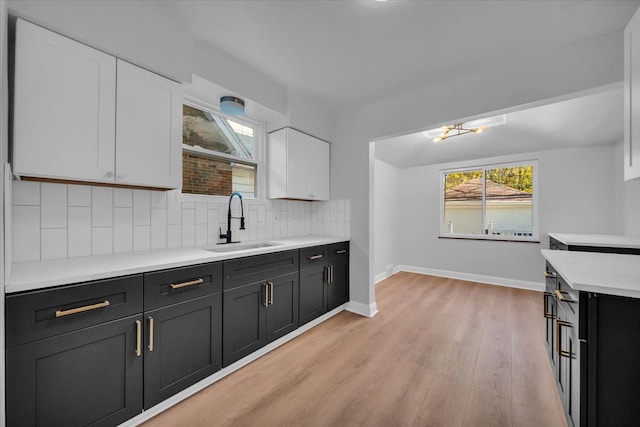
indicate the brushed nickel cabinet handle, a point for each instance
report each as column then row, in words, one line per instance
column 270, row 292
column 265, row 288
column 331, row 271
column 314, row 257
column 185, row 284
column 549, row 274
column 150, row 333
column 341, row 251
column 138, row 338
column 326, row 274
column 62, row 313
column 561, row 352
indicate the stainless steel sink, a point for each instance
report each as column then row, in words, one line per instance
column 234, row 247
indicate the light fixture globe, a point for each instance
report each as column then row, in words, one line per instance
column 232, row 106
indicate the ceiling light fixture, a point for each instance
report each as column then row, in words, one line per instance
column 232, row 105
column 473, row 126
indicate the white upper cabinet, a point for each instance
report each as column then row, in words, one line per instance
column 149, row 129
column 298, row 166
column 632, row 98
column 64, row 103
column 82, row 115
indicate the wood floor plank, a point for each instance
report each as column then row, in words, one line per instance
column 441, row 352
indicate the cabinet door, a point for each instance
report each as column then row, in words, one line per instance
column 64, row 107
column 244, row 321
column 149, row 129
column 317, row 169
column 632, row 98
column 549, row 305
column 282, row 312
column 187, row 346
column 313, row 293
column 338, row 287
column 297, row 164
column 88, row 377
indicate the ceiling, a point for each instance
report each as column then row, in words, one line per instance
column 595, row 119
column 348, row 53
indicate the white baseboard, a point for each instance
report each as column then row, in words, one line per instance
column 177, row 398
column 389, row 271
column 491, row 280
column 362, row 309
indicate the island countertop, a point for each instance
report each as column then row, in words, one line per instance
column 596, row 240
column 604, row 273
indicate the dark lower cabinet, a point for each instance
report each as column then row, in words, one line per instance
column 258, row 313
column 91, row 376
column 182, row 346
column 324, row 282
column 282, row 311
column 313, row 293
column 338, row 287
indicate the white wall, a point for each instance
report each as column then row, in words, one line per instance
column 386, row 220
column 627, row 194
column 574, row 195
column 534, row 76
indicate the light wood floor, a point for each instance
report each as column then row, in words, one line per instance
column 440, row 352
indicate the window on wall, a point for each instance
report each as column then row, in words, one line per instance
column 490, row 202
column 218, row 154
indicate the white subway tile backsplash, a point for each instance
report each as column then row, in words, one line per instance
column 101, row 207
column 53, row 206
column 174, row 236
column 79, row 231
column 26, row 233
column 122, row 230
column 158, row 228
column 25, row 193
column 53, row 243
column 188, row 226
column 122, row 198
column 79, row 195
column 101, row 240
column 201, row 234
column 141, row 237
column 174, row 209
column 201, row 213
column 59, row 220
column 158, row 199
column 141, row 207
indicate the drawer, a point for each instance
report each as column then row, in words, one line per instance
column 568, row 299
column 314, row 256
column 40, row 314
column 550, row 277
column 243, row 271
column 339, row 252
column 166, row 287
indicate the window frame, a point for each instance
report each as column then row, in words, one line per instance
column 259, row 138
column 534, row 238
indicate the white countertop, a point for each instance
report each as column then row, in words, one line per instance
column 599, row 240
column 603, row 273
column 42, row 274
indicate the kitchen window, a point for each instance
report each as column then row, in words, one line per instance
column 492, row 202
column 219, row 153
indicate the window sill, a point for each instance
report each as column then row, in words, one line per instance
column 490, row 239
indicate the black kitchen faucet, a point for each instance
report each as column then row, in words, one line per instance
column 229, row 217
